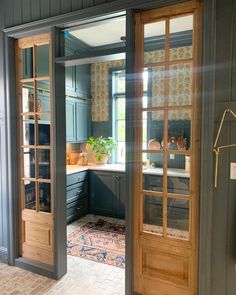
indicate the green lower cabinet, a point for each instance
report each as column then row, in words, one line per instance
column 107, row 193
column 77, row 196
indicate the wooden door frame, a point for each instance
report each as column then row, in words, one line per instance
column 206, row 125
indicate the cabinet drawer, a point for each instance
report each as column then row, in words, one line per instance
column 77, row 192
column 76, row 209
column 77, row 177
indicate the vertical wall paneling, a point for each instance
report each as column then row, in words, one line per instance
column 97, row 2
column 222, row 195
column 45, row 8
column 76, row 5
column 231, row 237
column 65, row 6
column 17, row 12
column 8, row 12
column 55, row 7
column 26, row 11
column 88, row 3
column 35, row 10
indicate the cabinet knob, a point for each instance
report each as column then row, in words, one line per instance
column 78, row 208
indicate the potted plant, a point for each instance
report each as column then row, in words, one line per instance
column 102, row 148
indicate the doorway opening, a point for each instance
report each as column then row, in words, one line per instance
column 95, row 125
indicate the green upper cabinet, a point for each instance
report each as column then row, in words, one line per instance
column 78, row 81
column 70, row 121
column 78, row 111
column 70, row 80
column 83, row 81
column 78, row 120
column 83, row 120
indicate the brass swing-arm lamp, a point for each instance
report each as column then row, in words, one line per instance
column 216, row 149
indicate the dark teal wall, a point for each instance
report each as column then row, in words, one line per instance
column 224, row 197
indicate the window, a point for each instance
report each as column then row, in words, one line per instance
column 118, row 112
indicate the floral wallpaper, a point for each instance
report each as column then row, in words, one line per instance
column 100, row 89
column 180, row 82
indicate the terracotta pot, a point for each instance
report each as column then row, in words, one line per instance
column 102, row 161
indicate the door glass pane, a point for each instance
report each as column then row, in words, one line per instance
column 44, row 129
column 178, row 218
column 29, row 163
column 154, row 42
column 45, row 197
column 180, row 84
column 42, row 60
column 156, row 85
column 121, row 130
column 27, row 63
column 153, row 172
column 153, row 215
column 179, row 129
column 28, row 97
column 30, row 195
column 43, row 164
column 181, row 37
column 178, row 174
column 43, row 97
column 153, row 128
column 28, row 130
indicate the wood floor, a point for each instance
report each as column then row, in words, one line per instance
column 84, row 277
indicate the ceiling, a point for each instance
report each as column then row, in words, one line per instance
column 110, row 32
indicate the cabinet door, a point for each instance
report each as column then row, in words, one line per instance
column 120, row 195
column 70, row 80
column 70, row 121
column 102, row 193
column 83, row 121
column 83, row 81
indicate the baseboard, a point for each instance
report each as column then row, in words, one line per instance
column 3, row 254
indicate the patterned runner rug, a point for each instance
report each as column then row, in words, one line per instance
column 101, row 241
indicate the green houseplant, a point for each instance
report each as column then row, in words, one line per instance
column 102, row 148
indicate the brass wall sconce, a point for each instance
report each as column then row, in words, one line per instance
column 217, row 149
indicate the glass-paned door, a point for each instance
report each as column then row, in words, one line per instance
column 35, row 148
column 166, row 185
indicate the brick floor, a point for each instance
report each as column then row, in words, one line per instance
column 84, row 277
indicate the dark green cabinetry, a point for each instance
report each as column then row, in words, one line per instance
column 70, row 121
column 107, row 195
column 83, row 80
column 78, row 81
column 78, row 120
column 83, row 120
column 78, row 111
column 77, row 195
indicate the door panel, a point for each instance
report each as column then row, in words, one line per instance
column 34, row 79
column 166, row 150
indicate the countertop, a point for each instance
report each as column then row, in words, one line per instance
column 70, row 169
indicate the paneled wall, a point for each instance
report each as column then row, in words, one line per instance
column 224, row 197
column 24, row 11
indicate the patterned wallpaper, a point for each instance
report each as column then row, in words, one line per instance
column 100, row 88
column 180, row 89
